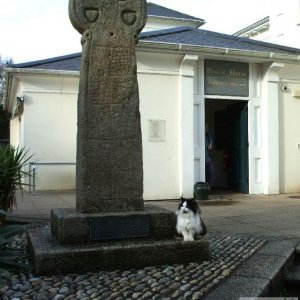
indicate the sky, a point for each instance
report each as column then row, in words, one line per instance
column 39, row 29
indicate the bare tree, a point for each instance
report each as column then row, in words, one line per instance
column 4, row 116
column 3, row 64
column 1, row 81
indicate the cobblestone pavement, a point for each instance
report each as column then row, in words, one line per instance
column 191, row 281
column 234, row 221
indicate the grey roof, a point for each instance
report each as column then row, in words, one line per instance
column 178, row 35
column 160, row 11
column 200, row 37
column 69, row 62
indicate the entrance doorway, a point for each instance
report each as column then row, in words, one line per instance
column 228, row 124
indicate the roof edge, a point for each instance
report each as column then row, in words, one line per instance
column 196, row 21
column 150, row 34
column 23, row 71
column 44, row 61
column 186, row 48
column 259, row 23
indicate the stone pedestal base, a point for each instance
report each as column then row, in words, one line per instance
column 78, row 242
column 70, row 226
column 51, row 257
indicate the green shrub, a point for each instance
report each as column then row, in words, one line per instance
column 12, row 163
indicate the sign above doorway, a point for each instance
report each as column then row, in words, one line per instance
column 226, row 78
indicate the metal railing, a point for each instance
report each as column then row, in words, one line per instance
column 32, row 172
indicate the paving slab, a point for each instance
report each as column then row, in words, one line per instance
column 260, row 275
column 263, row 266
column 283, row 248
column 233, row 228
column 238, row 286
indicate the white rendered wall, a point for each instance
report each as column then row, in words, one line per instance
column 50, row 132
column 159, row 101
column 50, row 114
column 289, row 107
column 50, row 126
column 16, row 122
column 15, row 132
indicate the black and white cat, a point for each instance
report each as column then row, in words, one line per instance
column 189, row 221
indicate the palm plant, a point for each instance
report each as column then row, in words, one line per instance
column 12, row 163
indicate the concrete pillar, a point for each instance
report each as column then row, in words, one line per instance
column 270, row 125
column 187, row 127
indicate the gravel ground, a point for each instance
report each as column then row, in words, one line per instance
column 190, row 281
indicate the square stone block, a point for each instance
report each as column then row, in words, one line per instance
column 51, row 257
column 70, row 226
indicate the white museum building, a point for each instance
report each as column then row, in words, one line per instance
column 247, row 91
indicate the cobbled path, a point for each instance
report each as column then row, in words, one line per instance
column 191, row 281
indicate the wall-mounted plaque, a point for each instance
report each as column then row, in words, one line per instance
column 226, row 78
column 156, row 130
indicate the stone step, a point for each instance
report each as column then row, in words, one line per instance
column 293, row 277
column 297, row 253
column 292, row 282
column 50, row 257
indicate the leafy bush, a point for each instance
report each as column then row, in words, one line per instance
column 12, row 163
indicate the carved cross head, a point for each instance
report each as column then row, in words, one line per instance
column 112, row 21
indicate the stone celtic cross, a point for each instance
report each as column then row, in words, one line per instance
column 109, row 172
column 110, row 221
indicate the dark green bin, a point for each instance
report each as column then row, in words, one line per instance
column 201, row 190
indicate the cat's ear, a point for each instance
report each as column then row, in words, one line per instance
column 182, row 199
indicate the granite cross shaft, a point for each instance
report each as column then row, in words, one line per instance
column 109, row 141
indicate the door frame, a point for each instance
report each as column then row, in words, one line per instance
column 255, row 162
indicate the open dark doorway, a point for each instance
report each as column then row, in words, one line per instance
column 228, row 123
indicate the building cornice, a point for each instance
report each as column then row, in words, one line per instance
column 259, row 56
column 257, row 27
